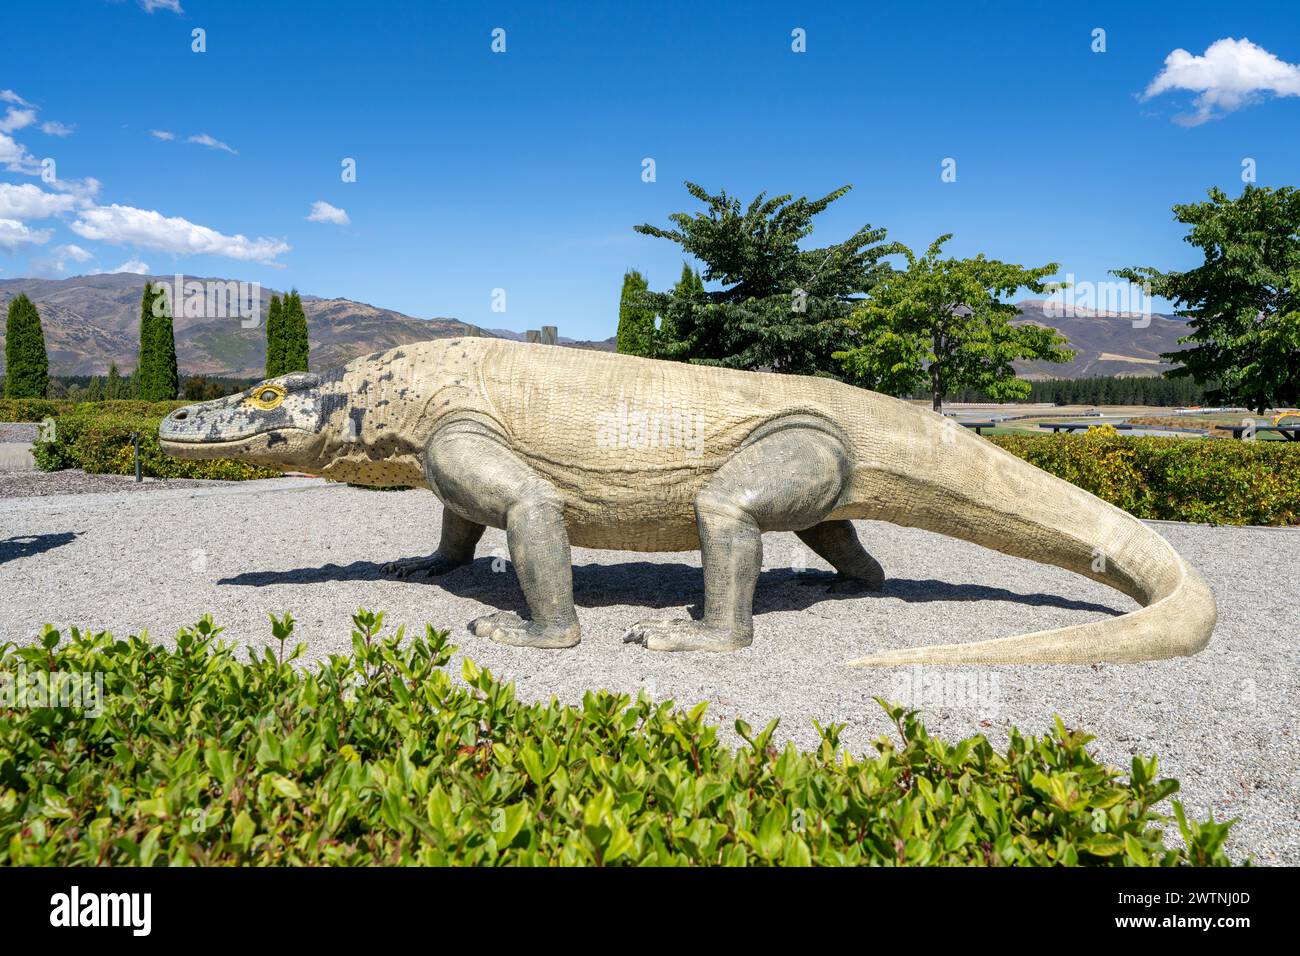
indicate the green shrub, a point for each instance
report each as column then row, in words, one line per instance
column 96, row 437
column 32, row 409
column 194, row 757
column 38, row 409
column 1177, row 479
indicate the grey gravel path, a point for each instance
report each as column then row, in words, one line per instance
column 24, row 432
column 38, row 484
column 1224, row 722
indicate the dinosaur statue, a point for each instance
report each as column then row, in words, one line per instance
column 562, row 446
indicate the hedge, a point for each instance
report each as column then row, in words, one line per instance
column 32, row 409
column 39, row 409
column 1177, row 479
column 190, row 756
column 96, row 437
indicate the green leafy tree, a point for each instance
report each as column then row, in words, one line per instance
column 157, row 376
column 294, row 334
column 1243, row 301
column 941, row 326
column 781, row 307
column 274, row 338
column 27, row 368
column 636, row 319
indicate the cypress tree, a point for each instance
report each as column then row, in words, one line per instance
column 143, row 373
column 158, row 377
column 294, row 334
column 274, row 338
column 27, row 368
column 167, row 384
column 636, row 320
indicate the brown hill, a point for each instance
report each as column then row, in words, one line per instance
column 1105, row 343
column 90, row 321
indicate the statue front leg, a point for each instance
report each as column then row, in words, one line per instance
column 481, row 479
column 456, row 547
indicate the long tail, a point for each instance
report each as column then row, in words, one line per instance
column 927, row 472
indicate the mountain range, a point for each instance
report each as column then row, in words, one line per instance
column 90, row 321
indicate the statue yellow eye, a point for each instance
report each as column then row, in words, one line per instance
column 267, row 397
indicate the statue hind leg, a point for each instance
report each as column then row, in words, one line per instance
column 478, row 477
column 788, row 480
column 836, row 542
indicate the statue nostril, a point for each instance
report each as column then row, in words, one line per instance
column 180, row 416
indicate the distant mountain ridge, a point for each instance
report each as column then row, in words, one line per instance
column 1105, row 343
column 90, row 321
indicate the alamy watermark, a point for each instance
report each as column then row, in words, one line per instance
column 637, row 425
column 133, row 911
column 929, row 688
column 210, row 299
column 1119, row 298
column 36, row 689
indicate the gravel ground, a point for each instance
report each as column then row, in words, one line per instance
column 18, row 431
column 37, row 484
column 1223, row 722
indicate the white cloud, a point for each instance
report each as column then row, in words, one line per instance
column 323, row 212
column 1231, row 74
column 16, row 118
column 203, row 139
column 83, row 190
column 162, row 134
column 56, row 263
column 149, row 6
column 14, row 234
column 133, row 266
column 16, row 158
column 30, row 202
column 152, row 230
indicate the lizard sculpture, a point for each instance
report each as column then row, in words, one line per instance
column 561, row 446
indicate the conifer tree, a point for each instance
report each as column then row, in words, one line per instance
column 636, row 319
column 294, row 334
column 274, row 338
column 158, row 377
column 781, row 305
column 27, row 368
column 144, row 362
column 114, row 387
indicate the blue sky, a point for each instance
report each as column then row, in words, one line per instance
column 523, row 170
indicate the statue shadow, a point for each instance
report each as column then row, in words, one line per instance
column 27, row 545
column 654, row 584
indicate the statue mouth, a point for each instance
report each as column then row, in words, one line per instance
column 268, row 445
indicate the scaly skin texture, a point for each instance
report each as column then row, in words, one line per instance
column 560, row 446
